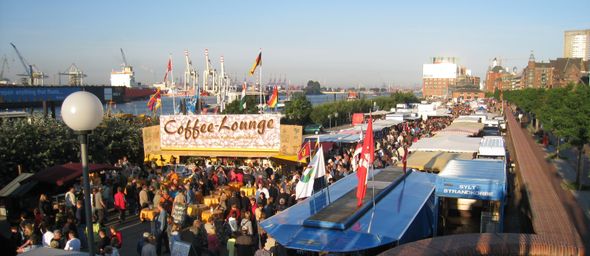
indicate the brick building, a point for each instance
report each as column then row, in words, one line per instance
column 499, row 77
column 555, row 73
column 440, row 77
column 467, row 93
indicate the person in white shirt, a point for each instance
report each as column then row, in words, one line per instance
column 71, row 198
column 47, row 236
column 73, row 243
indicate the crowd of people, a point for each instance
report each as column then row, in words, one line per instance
column 234, row 228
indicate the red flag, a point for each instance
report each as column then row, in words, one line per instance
column 168, row 69
column 305, row 151
column 366, row 160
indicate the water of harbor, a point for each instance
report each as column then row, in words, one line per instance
column 140, row 106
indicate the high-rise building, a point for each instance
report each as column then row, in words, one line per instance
column 577, row 44
column 443, row 75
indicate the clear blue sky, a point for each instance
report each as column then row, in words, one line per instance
column 339, row 43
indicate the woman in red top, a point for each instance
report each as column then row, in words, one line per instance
column 116, row 234
column 120, row 204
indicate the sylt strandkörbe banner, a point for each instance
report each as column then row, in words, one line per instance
column 220, row 132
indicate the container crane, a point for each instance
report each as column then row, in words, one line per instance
column 32, row 75
column 190, row 74
column 4, row 67
column 75, row 75
column 209, row 76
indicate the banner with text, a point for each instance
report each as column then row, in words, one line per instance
column 220, row 132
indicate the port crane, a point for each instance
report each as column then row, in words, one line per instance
column 209, row 75
column 4, row 67
column 74, row 74
column 191, row 76
column 32, row 74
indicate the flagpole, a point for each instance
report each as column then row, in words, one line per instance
column 172, row 86
column 372, row 176
column 325, row 181
column 260, row 83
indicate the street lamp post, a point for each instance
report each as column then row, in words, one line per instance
column 82, row 112
column 335, row 119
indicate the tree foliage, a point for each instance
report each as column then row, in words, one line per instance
column 297, row 110
column 37, row 143
column 320, row 113
column 251, row 106
column 313, row 88
column 563, row 111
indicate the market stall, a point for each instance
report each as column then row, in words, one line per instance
column 432, row 161
column 480, row 179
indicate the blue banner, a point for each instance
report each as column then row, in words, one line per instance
column 31, row 94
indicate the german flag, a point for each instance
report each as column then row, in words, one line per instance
column 274, row 98
column 257, row 63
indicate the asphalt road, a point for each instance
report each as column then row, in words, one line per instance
column 131, row 230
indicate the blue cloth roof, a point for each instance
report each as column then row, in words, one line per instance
column 394, row 214
column 481, row 179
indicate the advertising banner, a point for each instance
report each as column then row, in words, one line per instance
column 220, row 132
column 151, row 140
column 291, row 137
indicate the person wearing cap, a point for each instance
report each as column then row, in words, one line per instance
column 149, row 249
column 244, row 243
column 141, row 242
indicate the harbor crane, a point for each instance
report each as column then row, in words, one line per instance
column 124, row 58
column 32, row 75
column 4, row 67
column 75, row 75
column 191, row 76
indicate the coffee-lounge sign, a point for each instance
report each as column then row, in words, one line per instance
column 220, row 132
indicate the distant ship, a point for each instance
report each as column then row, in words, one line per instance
column 126, row 78
column 352, row 95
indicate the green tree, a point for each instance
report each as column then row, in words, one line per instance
column 563, row 111
column 116, row 138
column 320, row 113
column 251, row 106
column 36, row 143
column 576, row 127
column 297, row 110
column 313, row 88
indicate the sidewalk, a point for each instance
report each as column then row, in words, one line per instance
column 566, row 168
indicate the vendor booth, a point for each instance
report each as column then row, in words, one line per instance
column 247, row 136
column 432, row 161
column 447, row 143
column 329, row 220
column 492, row 147
column 480, row 179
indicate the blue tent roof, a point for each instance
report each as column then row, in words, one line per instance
column 480, row 179
column 395, row 216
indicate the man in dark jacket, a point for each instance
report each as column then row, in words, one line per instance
column 160, row 226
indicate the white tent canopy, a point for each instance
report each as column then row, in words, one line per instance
column 447, row 143
column 492, row 146
column 461, row 128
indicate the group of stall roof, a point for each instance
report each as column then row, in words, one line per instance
column 406, row 205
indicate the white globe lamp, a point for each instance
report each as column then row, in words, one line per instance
column 82, row 111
